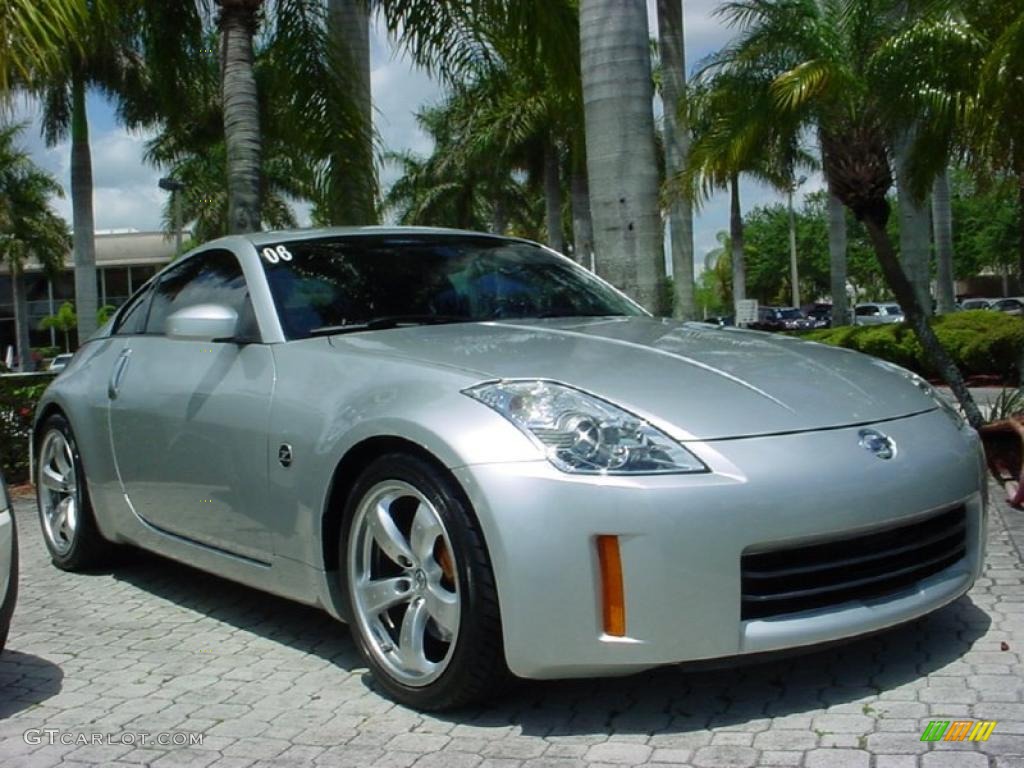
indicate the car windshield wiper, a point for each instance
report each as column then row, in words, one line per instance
column 389, row 321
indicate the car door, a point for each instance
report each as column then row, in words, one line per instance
column 188, row 419
column 867, row 314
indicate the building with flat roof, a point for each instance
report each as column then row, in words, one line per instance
column 124, row 261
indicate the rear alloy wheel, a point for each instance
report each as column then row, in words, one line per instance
column 10, row 594
column 420, row 587
column 65, row 512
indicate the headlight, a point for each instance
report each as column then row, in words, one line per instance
column 947, row 407
column 583, row 434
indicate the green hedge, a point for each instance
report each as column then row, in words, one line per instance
column 982, row 343
column 18, row 397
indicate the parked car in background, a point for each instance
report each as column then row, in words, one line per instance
column 8, row 563
column 821, row 314
column 1011, row 306
column 60, row 362
column 872, row 313
column 782, row 319
column 720, row 321
column 489, row 461
column 968, row 304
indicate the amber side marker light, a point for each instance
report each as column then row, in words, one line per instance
column 613, row 598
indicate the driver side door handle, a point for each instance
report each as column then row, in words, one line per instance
column 118, row 373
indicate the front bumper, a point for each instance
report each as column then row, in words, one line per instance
column 682, row 537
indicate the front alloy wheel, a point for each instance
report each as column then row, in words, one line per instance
column 405, row 591
column 419, row 585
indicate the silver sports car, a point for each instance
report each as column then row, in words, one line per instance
column 490, row 463
column 8, row 563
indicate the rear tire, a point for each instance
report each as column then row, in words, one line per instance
column 424, row 612
column 62, row 494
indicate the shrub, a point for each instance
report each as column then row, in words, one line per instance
column 18, row 398
column 981, row 343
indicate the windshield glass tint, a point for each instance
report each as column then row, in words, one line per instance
column 348, row 281
column 790, row 314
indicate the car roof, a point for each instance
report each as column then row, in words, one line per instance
column 287, row 235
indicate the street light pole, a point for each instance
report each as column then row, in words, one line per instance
column 175, row 187
column 794, row 272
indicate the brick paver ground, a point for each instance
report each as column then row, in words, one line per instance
column 152, row 647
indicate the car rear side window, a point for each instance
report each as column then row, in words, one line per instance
column 213, row 277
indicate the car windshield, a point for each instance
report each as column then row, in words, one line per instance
column 332, row 285
column 790, row 314
column 892, row 310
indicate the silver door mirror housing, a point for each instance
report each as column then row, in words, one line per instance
column 202, row 322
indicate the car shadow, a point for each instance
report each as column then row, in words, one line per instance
column 300, row 627
column 674, row 699
column 26, row 681
column 737, row 691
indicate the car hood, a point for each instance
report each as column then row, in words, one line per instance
column 707, row 383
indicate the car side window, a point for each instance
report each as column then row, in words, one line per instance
column 132, row 318
column 213, row 277
column 866, row 311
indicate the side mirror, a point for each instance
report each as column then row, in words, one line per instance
column 202, row 322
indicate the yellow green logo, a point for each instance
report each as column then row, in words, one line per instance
column 958, row 730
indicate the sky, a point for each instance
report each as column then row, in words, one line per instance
column 127, row 196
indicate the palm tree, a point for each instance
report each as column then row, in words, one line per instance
column 672, row 51
column 190, row 146
column 729, row 141
column 962, row 70
column 352, row 170
column 821, row 63
column 28, row 226
column 915, row 223
column 36, row 38
column 454, row 188
column 95, row 56
column 238, row 21
column 942, row 221
column 837, row 248
column 65, row 321
column 621, row 159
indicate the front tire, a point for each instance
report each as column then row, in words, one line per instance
column 65, row 511
column 419, row 586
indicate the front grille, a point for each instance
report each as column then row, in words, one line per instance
column 854, row 568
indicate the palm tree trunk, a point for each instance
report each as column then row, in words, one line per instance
column 238, row 20
column 621, row 162
column 837, row 245
column 83, row 224
column 915, row 228
column 942, row 219
column 582, row 225
column 672, row 48
column 353, row 182
column 499, row 216
column 23, row 345
column 935, row 354
column 739, row 267
column 553, row 196
column 1020, row 225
